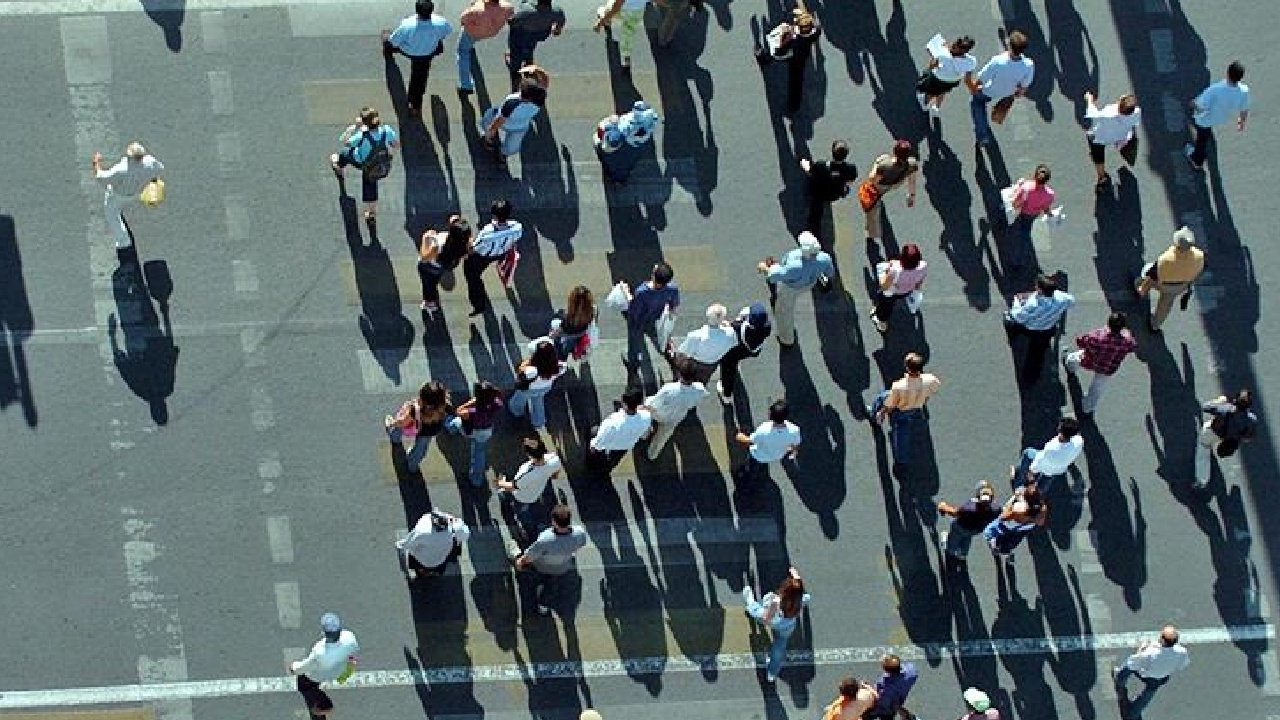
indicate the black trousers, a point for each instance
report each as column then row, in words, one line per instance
column 884, row 305
column 1201, row 149
column 314, row 697
column 600, row 463
column 419, row 70
column 729, row 367
column 473, row 272
column 1038, row 342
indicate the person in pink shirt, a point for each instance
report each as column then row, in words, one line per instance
column 483, row 19
column 1032, row 198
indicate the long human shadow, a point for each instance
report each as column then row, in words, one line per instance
column 682, row 135
column 550, row 184
column 1016, row 618
column 16, row 325
column 893, row 79
column 950, row 197
column 430, row 188
column 168, row 15
column 146, row 355
column 1066, row 615
column 1119, row 248
column 1023, row 18
column 818, row 474
column 853, row 30
column 843, row 345
column 791, row 136
column 1075, row 61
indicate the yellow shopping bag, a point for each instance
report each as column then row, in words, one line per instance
column 152, row 193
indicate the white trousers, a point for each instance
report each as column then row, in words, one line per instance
column 113, row 206
column 1089, row 402
column 1205, row 448
column 662, row 433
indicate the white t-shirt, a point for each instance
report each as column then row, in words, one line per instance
column 1110, row 127
column 1056, row 456
column 531, row 480
column 128, row 176
column 1221, row 103
column 430, row 546
column 1002, row 75
column 327, row 660
column 708, row 344
column 952, row 68
column 621, row 431
column 1156, row 661
column 674, row 400
column 771, row 443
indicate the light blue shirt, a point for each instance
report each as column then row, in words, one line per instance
column 1041, row 312
column 361, row 142
column 1221, row 103
column 420, row 38
column 799, row 272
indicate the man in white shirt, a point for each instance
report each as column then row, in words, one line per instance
column 618, row 434
column 1113, row 125
column 419, row 37
column 435, row 540
column 673, row 401
column 706, row 345
column 333, row 657
column 493, row 241
column 774, row 441
column 1153, row 663
column 1051, row 462
column 124, row 181
column 529, row 484
column 1005, row 77
column 1218, row 104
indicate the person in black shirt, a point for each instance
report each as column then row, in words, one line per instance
column 969, row 519
column 752, row 327
column 439, row 253
column 1229, row 422
column 829, row 180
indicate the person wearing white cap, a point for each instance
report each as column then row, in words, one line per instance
column 333, row 657
column 978, row 706
column 798, row 272
column 1171, row 275
column 124, row 181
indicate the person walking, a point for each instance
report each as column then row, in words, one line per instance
column 645, row 305
column 1154, row 662
column 570, row 326
column 751, row 328
column 550, row 557
column 892, row 687
column 901, row 277
column 705, row 346
column 617, row 434
column 535, row 377
column 1037, row 315
column 1218, row 104
column 1230, row 422
column 481, row 20
column 1171, row 276
column 1044, row 466
column 474, row 420
column 1032, row 199
column 369, row 145
column 671, row 404
column 856, row 697
column 533, row 22
column 977, row 706
column 903, row 403
column 630, row 16
column 1004, row 79
column 498, row 237
column 949, row 64
column 889, row 172
column 673, row 12
column 419, row 37
column 1101, row 351
column 620, row 140
column 528, row 487
column 440, row 253
column 792, row 43
column 775, row 440
column 968, row 519
column 828, row 181
column 780, row 612
column 1115, row 125
column 421, row 419
column 333, row 657
column 799, row 271
column 122, row 183
column 505, row 126
column 433, row 542
column 1024, row 511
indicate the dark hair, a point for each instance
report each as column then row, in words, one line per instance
column 1017, row 42
column 534, row 447
column 1042, row 174
column 1235, row 71
column 909, row 257
column 850, row 686
column 891, row 663
column 1243, row 400
column 561, row 516
column 962, row 45
column 902, row 150
column 839, row 150
column 580, row 308
column 914, row 362
column 433, row 394
column 687, row 370
column 790, row 597
column 1046, row 285
column 531, row 91
column 545, row 359
column 424, row 8
column 501, row 210
column 1117, row 322
column 485, row 393
column 369, row 116
column 1068, row 427
column 632, row 398
column 1127, row 104
column 1031, row 496
column 778, row 411
column 663, row 274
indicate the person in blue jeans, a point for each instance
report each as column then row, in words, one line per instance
column 534, row 379
column 969, row 519
column 1004, row 78
column 780, row 612
column 903, row 404
column 474, row 419
column 421, row 418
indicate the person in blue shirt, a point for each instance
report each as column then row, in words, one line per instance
column 647, row 305
column 365, row 138
column 1037, row 315
column 892, row 688
column 419, row 37
column 798, row 272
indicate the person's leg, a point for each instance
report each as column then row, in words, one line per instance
column 795, row 81
column 981, row 125
column 549, row 598
column 1037, row 345
column 635, row 342
column 466, row 45
column 421, row 443
column 1098, row 154
column 777, row 652
column 900, row 425
column 1149, row 687
column 1200, row 150
column 113, row 210
column 959, row 540
column 662, row 433
column 817, row 212
column 538, row 408
column 369, row 194
column 784, row 312
column 479, row 455
column 473, row 271
column 1024, row 464
column 884, row 306
column 671, row 16
column 729, row 371
column 1205, row 444
column 512, row 140
column 873, row 220
column 1165, row 296
column 1089, row 403
column 1122, row 678
column 419, row 70
column 519, row 403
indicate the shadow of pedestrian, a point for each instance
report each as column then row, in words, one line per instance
column 16, row 325
column 818, row 475
column 1017, row 620
column 145, row 356
column 893, row 79
column 1121, row 540
column 168, row 14
column 387, row 331
column 1067, row 615
column 1075, row 66
column 683, row 136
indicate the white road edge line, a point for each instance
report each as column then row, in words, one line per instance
column 372, row 679
column 83, row 7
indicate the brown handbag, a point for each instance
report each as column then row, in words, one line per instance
column 868, row 194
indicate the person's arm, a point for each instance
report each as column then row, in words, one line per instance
column 947, row 508
column 558, row 26
column 610, row 11
column 1091, row 106
column 300, row 667
column 742, row 438
column 971, row 83
column 911, row 189
column 498, row 121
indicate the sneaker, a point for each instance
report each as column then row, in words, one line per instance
column 770, row 678
column 1066, row 365
column 933, row 109
column 543, row 610
column 924, row 102
column 726, row 398
column 1187, row 151
column 388, row 421
column 881, row 326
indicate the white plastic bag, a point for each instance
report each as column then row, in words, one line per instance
column 914, row 299
column 1006, row 198
column 618, row 297
column 664, row 326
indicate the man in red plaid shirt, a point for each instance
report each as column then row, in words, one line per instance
column 1101, row 351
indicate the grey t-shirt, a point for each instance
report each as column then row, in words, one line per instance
column 552, row 554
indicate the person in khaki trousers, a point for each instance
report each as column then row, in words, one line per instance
column 1171, row 275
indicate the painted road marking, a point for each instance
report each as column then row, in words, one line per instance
column 280, row 539
column 221, row 101
column 289, row 605
column 86, row 52
column 213, row 31
column 509, row 672
column 579, row 13
column 143, row 712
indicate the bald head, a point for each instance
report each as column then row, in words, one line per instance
column 1169, row 636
